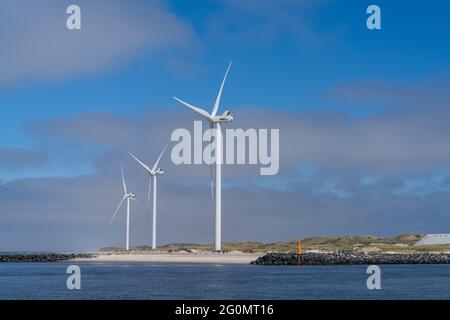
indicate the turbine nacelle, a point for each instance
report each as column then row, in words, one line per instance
column 126, row 196
column 225, row 117
column 212, row 117
column 152, row 172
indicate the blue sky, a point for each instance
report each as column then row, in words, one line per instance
column 297, row 68
column 367, row 108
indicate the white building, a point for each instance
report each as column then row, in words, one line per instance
column 430, row 239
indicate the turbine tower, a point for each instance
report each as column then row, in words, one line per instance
column 128, row 196
column 154, row 173
column 215, row 122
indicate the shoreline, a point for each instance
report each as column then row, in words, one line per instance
column 313, row 257
column 197, row 258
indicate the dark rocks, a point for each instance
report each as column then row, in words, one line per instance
column 342, row 258
column 42, row 257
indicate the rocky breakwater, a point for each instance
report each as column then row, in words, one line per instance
column 342, row 258
column 41, row 257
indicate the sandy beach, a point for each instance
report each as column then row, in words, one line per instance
column 211, row 258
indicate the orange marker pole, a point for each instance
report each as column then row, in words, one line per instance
column 299, row 247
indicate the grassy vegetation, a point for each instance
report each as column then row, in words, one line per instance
column 401, row 243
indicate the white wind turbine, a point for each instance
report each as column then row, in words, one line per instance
column 153, row 172
column 128, row 196
column 215, row 122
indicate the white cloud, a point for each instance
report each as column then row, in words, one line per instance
column 37, row 46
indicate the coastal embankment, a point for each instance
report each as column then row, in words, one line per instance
column 42, row 257
column 349, row 258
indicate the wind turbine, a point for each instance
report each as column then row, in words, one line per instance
column 128, row 196
column 153, row 172
column 215, row 122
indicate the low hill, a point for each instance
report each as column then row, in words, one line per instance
column 400, row 243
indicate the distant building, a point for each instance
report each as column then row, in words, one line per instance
column 430, row 239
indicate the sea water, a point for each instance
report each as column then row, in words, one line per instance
column 209, row 281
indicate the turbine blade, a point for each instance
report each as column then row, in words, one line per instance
column 159, row 158
column 141, row 163
column 198, row 110
column 117, row 209
column 123, row 182
column 216, row 105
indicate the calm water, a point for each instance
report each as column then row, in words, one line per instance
column 176, row 281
